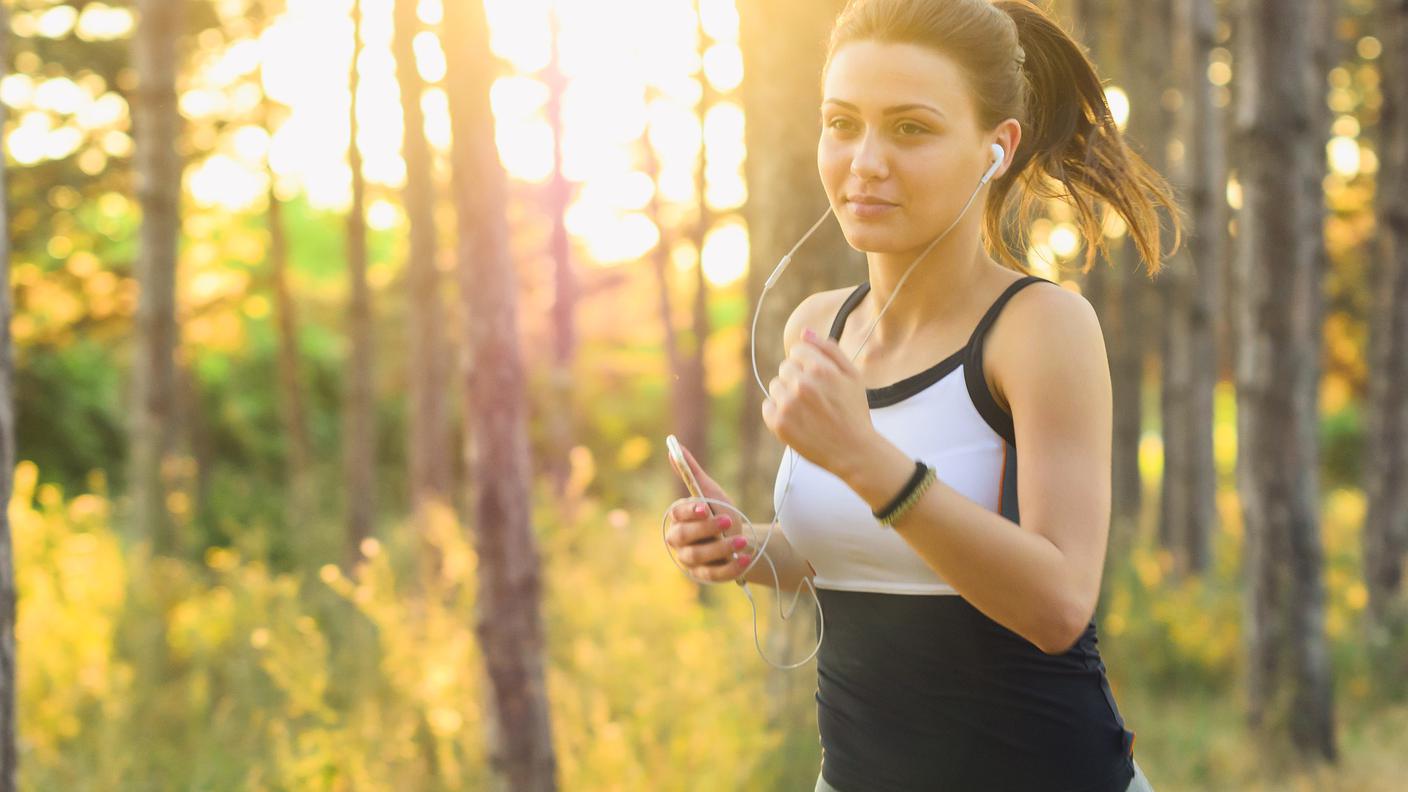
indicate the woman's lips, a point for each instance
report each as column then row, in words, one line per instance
column 869, row 209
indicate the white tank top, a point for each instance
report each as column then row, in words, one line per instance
column 943, row 416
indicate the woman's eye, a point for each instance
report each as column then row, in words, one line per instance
column 913, row 129
column 839, row 124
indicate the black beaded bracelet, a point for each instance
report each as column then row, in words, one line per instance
column 888, row 512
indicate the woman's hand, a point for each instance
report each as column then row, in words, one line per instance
column 817, row 404
column 706, row 544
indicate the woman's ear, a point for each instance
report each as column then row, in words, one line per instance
column 1008, row 134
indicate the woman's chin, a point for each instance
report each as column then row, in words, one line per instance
column 870, row 240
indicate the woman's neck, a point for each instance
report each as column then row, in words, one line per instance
column 938, row 288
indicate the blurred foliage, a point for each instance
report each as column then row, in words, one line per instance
column 154, row 673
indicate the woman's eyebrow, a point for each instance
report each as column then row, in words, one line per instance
column 891, row 110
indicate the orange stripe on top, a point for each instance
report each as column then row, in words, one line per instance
column 1001, row 478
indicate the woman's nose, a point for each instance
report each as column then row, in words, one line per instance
column 868, row 160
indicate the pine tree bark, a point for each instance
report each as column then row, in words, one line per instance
column 509, row 626
column 157, row 171
column 1190, row 289
column 359, row 418
column 427, row 371
column 1386, row 484
column 1278, row 273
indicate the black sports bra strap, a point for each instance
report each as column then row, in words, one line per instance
column 860, row 291
column 846, row 307
column 992, row 313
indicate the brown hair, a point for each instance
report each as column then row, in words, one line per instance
column 1019, row 63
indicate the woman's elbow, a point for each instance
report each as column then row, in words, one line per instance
column 1064, row 632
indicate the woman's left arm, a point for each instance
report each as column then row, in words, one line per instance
column 1040, row 579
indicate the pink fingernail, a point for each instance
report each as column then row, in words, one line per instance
column 744, row 559
column 699, row 509
column 739, row 541
column 725, row 521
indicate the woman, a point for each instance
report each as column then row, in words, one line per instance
column 960, row 644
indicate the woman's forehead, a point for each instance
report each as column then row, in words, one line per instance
column 874, row 76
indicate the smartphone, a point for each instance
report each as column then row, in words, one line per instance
column 672, row 445
column 681, row 465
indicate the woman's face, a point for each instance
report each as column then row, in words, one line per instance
column 900, row 149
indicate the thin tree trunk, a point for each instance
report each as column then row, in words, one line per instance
column 1386, row 485
column 509, row 624
column 1187, row 499
column 359, row 418
column 9, row 724
column 660, row 263
column 676, row 363
column 1280, row 239
column 694, row 428
column 294, row 414
column 427, row 368
column 564, row 307
column 158, row 184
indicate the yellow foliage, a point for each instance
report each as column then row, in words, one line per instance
column 70, row 578
column 372, row 678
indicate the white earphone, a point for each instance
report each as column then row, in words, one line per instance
column 999, row 154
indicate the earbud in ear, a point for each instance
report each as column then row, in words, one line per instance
column 999, row 154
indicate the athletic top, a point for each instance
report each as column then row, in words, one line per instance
column 916, row 688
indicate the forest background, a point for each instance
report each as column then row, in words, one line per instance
column 333, row 399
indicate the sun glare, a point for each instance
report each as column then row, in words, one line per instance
column 633, row 145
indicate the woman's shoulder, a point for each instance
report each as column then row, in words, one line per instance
column 815, row 311
column 1045, row 322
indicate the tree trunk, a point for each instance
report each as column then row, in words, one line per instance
column 695, row 412
column 295, row 414
column 660, row 263
column 1190, row 288
column 427, row 369
column 359, row 418
column 9, row 724
column 299, row 465
column 509, row 624
column 1119, row 289
column 157, row 171
column 1386, row 524
column 561, row 430
column 1278, row 368
column 781, row 100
